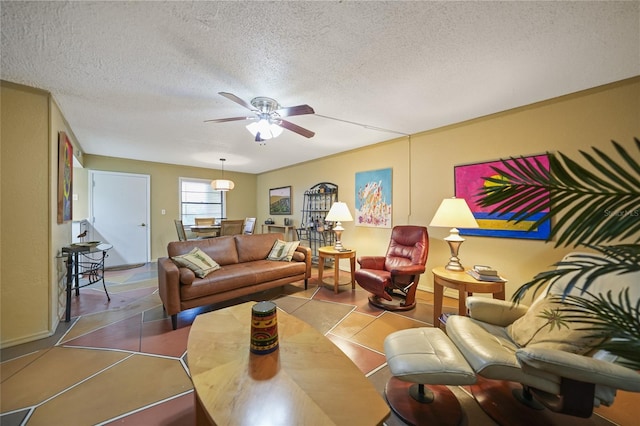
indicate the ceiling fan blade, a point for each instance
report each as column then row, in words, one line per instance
column 222, row 120
column 295, row 110
column 297, row 129
column 237, row 100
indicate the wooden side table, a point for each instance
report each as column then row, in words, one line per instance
column 330, row 252
column 465, row 284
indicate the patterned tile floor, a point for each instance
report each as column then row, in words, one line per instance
column 119, row 362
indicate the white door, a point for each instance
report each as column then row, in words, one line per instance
column 119, row 210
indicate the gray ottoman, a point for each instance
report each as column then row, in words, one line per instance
column 419, row 356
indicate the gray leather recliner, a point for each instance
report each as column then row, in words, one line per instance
column 563, row 381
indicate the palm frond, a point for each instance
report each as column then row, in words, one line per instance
column 622, row 176
column 617, row 319
column 591, row 207
column 627, row 349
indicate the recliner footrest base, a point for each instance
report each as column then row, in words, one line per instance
column 397, row 304
column 445, row 409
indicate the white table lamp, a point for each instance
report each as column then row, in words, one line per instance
column 339, row 213
column 454, row 213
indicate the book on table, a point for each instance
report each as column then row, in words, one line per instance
column 485, row 270
column 485, row 273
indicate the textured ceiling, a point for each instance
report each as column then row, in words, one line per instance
column 138, row 79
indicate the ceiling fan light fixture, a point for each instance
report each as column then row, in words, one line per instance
column 275, row 130
column 268, row 112
column 265, row 128
column 222, row 184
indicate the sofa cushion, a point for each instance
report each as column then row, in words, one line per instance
column 221, row 249
column 283, row 250
column 256, row 246
column 240, row 275
column 198, row 261
column 543, row 327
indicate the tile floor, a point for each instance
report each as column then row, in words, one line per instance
column 119, row 362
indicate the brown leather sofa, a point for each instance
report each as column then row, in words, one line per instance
column 244, row 270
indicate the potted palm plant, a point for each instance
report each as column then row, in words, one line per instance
column 595, row 207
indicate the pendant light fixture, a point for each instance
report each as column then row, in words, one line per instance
column 222, row 184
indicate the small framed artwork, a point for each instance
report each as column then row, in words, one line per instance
column 280, row 200
column 469, row 180
column 373, row 198
column 65, row 178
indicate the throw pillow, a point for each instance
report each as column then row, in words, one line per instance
column 198, row 261
column 283, row 250
column 543, row 327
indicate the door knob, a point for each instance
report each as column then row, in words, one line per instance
column 143, row 224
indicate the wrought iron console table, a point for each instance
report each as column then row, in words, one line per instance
column 86, row 260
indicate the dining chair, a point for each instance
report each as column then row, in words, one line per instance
column 205, row 221
column 249, row 225
column 231, row 227
column 182, row 236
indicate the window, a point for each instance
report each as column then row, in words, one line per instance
column 198, row 199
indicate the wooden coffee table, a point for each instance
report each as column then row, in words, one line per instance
column 308, row 380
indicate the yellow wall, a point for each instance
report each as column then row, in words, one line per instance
column 241, row 201
column 25, row 213
column 30, row 235
column 423, row 171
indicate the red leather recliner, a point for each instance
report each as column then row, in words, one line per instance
column 393, row 279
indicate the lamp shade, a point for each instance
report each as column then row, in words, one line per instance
column 454, row 213
column 339, row 212
column 222, row 184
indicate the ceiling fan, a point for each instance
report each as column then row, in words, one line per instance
column 268, row 114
